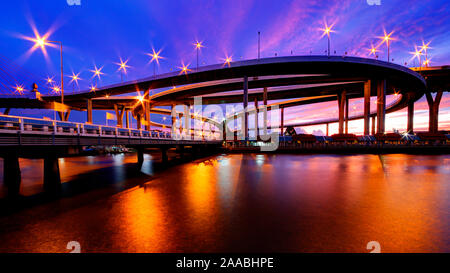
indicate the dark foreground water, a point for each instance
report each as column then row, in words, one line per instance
column 251, row 202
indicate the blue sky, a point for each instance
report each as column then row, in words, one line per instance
column 100, row 32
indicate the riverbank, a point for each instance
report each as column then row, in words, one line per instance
column 348, row 149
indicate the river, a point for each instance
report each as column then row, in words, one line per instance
column 237, row 203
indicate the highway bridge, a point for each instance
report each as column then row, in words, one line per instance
column 296, row 80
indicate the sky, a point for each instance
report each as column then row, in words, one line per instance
column 100, row 33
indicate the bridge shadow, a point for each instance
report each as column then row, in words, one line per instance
column 87, row 187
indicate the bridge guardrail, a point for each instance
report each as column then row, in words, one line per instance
column 26, row 125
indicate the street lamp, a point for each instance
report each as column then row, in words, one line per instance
column 417, row 54
column 228, row 60
column 386, row 38
column 19, row 89
column 424, row 47
column 184, row 69
column 42, row 42
column 74, row 79
column 122, row 68
column 373, row 50
column 198, row 45
column 326, row 31
column 155, row 59
column 97, row 73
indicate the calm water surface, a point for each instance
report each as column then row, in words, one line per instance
column 251, row 202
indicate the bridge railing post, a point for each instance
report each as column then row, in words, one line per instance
column 21, row 124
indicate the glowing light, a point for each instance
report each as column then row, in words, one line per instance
column 19, row 89
column 155, row 56
column 327, row 30
column 123, row 65
column 184, row 69
column 425, row 46
column 56, row 89
column 49, row 80
column 97, row 72
column 198, row 45
column 92, row 88
column 140, row 98
column 75, row 78
column 373, row 50
column 416, row 54
column 228, row 60
column 387, row 37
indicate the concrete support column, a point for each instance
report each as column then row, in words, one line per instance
column 373, row 125
column 52, row 180
column 180, row 150
column 174, row 117
column 127, row 119
column 164, row 157
column 66, row 115
column 89, row 110
column 147, row 112
column 140, row 157
column 138, row 121
column 341, row 104
column 327, row 129
column 381, row 106
column 282, row 121
column 256, row 119
column 346, row 115
column 11, row 173
column 118, row 116
column 187, row 120
column 367, row 92
column 245, row 102
column 433, row 106
column 410, row 126
column 265, row 111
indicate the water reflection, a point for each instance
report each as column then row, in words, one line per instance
column 251, row 202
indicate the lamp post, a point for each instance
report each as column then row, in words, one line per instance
column 41, row 42
column 425, row 47
column 386, row 38
column 155, row 59
column 97, row 73
column 122, row 68
column 326, row 31
column 198, row 45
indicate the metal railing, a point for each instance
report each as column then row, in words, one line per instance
column 16, row 124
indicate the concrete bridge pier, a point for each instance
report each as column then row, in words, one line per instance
column 138, row 121
column 180, row 150
column 410, row 125
column 341, row 104
column 381, row 105
column 373, row 125
column 367, row 92
column 433, row 106
column 245, row 102
column 140, row 157
column 346, row 115
column 89, row 110
column 127, row 119
column 52, row 179
column 11, row 173
column 164, row 157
